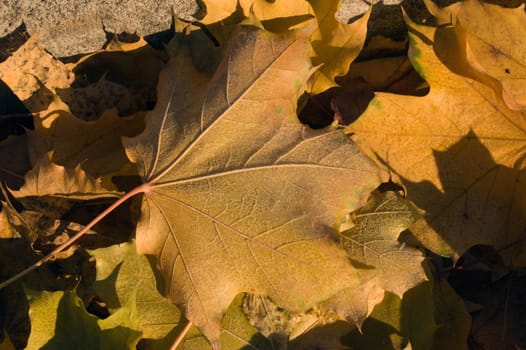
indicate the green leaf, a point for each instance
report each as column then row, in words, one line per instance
column 123, row 276
column 60, row 321
column 237, row 332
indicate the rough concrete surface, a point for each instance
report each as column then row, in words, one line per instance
column 68, row 28
column 10, row 17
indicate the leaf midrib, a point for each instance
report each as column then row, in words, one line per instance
column 217, row 120
column 252, row 169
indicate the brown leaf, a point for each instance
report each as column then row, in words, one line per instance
column 14, row 158
column 334, row 44
column 93, row 144
column 239, row 196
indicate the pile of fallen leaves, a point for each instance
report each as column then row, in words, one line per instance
column 158, row 198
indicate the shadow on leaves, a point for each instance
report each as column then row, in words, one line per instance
column 481, row 202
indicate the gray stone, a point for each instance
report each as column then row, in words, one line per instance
column 10, row 17
column 69, row 28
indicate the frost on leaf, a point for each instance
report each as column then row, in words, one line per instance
column 239, row 196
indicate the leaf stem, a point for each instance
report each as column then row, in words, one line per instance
column 181, row 336
column 139, row 189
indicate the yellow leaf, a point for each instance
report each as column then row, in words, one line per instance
column 279, row 15
column 7, row 231
column 459, row 151
column 334, row 44
column 262, row 10
column 265, row 10
column 495, row 44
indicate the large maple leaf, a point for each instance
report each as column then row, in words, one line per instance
column 459, row 151
column 238, row 195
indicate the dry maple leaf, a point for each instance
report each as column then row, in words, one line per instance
column 373, row 241
column 370, row 238
column 34, row 75
column 238, row 195
column 94, row 144
column 41, row 82
column 459, row 151
column 218, row 10
column 499, row 53
column 265, row 10
column 15, row 160
column 49, row 179
column 334, row 44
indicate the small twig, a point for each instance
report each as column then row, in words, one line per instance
column 50, row 256
column 181, row 336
